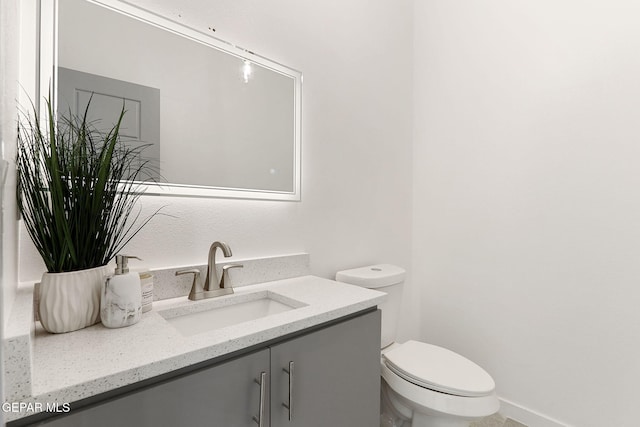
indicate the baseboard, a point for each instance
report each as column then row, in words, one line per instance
column 527, row 416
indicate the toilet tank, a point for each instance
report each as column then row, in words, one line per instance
column 384, row 278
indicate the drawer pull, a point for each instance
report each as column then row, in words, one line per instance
column 289, row 404
column 263, row 391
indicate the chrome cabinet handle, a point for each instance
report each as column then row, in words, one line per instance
column 263, row 391
column 289, row 404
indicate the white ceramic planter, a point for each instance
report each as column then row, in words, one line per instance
column 71, row 301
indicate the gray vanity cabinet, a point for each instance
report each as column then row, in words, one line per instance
column 329, row 376
column 335, row 374
column 221, row 396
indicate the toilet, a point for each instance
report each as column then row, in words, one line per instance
column 423, row 385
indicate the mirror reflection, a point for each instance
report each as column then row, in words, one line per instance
column 213, row 118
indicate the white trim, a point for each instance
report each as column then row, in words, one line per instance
column 163, row 189
column 527, row 416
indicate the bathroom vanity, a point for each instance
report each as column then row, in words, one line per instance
column 334, row 381
column 314, row 364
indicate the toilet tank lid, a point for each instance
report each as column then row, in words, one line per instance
column 372, row 276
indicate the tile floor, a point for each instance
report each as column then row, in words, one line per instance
column 497, row 420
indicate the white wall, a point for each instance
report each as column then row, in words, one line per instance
column 527, row 206
column 357, row 130
column 9, row 69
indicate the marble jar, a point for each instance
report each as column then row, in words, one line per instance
column 121, row 300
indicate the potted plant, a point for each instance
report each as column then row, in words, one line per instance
column 77, row 189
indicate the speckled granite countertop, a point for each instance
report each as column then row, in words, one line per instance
column 68, row 367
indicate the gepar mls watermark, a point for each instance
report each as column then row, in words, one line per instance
column 35, row 407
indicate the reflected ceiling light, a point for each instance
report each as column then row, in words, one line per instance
column 246, row 71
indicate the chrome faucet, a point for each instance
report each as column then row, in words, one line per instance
column 213, row 287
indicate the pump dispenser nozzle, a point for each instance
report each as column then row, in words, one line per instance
column 122, row 263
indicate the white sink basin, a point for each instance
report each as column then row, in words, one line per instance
column 216, row 313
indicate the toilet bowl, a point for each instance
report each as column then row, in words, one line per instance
column 423, row 385
column 433, row 386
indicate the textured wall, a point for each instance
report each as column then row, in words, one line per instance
column 356, row 190
column 526, row 186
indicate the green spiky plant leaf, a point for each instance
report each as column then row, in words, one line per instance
column 77, row 189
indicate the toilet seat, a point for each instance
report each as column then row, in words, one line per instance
column 426, row 401
column 436, row 368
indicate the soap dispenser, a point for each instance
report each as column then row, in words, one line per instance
column 121, row 296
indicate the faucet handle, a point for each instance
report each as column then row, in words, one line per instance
column 225, row 274
column 196, row 287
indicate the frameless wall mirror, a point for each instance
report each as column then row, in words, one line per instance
column 219, row 121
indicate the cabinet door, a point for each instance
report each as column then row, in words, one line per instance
column 224, row 395
column 336, row 376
